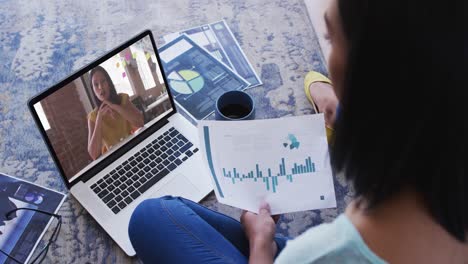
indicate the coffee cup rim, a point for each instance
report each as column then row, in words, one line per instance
column 234, row 119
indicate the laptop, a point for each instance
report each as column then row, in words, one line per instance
column 116, row 137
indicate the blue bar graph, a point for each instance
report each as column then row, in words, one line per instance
column 271, row 181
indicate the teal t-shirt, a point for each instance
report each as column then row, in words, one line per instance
column 336, row 242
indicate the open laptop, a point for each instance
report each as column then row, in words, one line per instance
column 156, row 150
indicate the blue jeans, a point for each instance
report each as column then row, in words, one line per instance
column 177, row 230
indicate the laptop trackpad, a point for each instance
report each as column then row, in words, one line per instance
column 178, row 186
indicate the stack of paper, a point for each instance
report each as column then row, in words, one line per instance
column 21, row 232
column 202, row 63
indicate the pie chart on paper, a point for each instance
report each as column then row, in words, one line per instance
column 186, row 81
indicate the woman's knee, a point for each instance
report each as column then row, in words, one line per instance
column 147, row 215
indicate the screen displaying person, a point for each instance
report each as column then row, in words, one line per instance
column 114, row 118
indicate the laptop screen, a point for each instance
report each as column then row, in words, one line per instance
column 100, row 111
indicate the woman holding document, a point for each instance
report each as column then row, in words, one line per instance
column 394, row 138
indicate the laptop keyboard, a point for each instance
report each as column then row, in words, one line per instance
column 141, row 171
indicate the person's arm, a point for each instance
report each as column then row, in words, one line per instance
column 260, row 230
column 94, row 140
column 262, row 252
column 129, row 112
column 95, row 132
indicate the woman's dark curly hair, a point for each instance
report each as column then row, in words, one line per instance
column 402, row 118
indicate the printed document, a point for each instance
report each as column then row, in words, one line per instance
column 284, row 162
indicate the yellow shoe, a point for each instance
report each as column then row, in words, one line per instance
column 310, row 78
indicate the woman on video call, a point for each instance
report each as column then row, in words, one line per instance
column 114, row 117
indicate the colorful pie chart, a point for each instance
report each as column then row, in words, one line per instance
column 186, row 81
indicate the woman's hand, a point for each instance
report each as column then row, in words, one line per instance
column 128, row 112
column 105, row 109
column 260, row 230
column 109, row 104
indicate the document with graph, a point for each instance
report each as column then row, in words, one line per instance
column 218, row 39
column 283, row 161
column 21, row 231
column 195, row 77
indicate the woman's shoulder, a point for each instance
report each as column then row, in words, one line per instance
column 335, row 242
column 123, row 95
column 124, row 98
column 92, row 115
column 313, row 243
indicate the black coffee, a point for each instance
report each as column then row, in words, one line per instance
column 235, row 111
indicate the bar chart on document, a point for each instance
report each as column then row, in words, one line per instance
column 284, row 162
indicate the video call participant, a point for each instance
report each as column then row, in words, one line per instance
column 114, row 118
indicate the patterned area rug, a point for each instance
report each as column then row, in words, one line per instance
column 44, row 41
